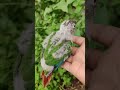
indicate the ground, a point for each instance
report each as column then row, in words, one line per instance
column 76, row 85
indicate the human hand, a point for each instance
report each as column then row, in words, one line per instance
column 104, row 65
column 76, row 62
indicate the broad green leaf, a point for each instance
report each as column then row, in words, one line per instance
column 70, row 1
column 78, row 32
column 78, row 9
column 62, row 5
column 47, row 11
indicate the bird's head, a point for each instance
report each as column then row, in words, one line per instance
column 68, row 26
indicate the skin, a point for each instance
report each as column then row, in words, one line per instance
column 104, row 66
column 76, row 62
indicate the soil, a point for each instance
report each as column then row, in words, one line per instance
column 76, row 85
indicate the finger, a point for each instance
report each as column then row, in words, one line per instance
column 92, row 56
column 78, row 40
column 74, row 49
column 66, row 66
column 79, row 56
column 103, row 33
column 70, row 59
column 82, row 48
column 80, row 53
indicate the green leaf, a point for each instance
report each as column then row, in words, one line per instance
column 77, row 33
column 70, row 1
column 62, row 5
column 47, row 11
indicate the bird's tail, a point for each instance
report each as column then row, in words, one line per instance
column 46, row 78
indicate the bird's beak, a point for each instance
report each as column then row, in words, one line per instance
column 46, row 79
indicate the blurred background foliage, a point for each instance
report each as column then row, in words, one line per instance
column 107, row 12
column 49, row 14
column 14, row 14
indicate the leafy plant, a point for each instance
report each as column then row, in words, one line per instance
column 107, row 12
column 13, row 17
